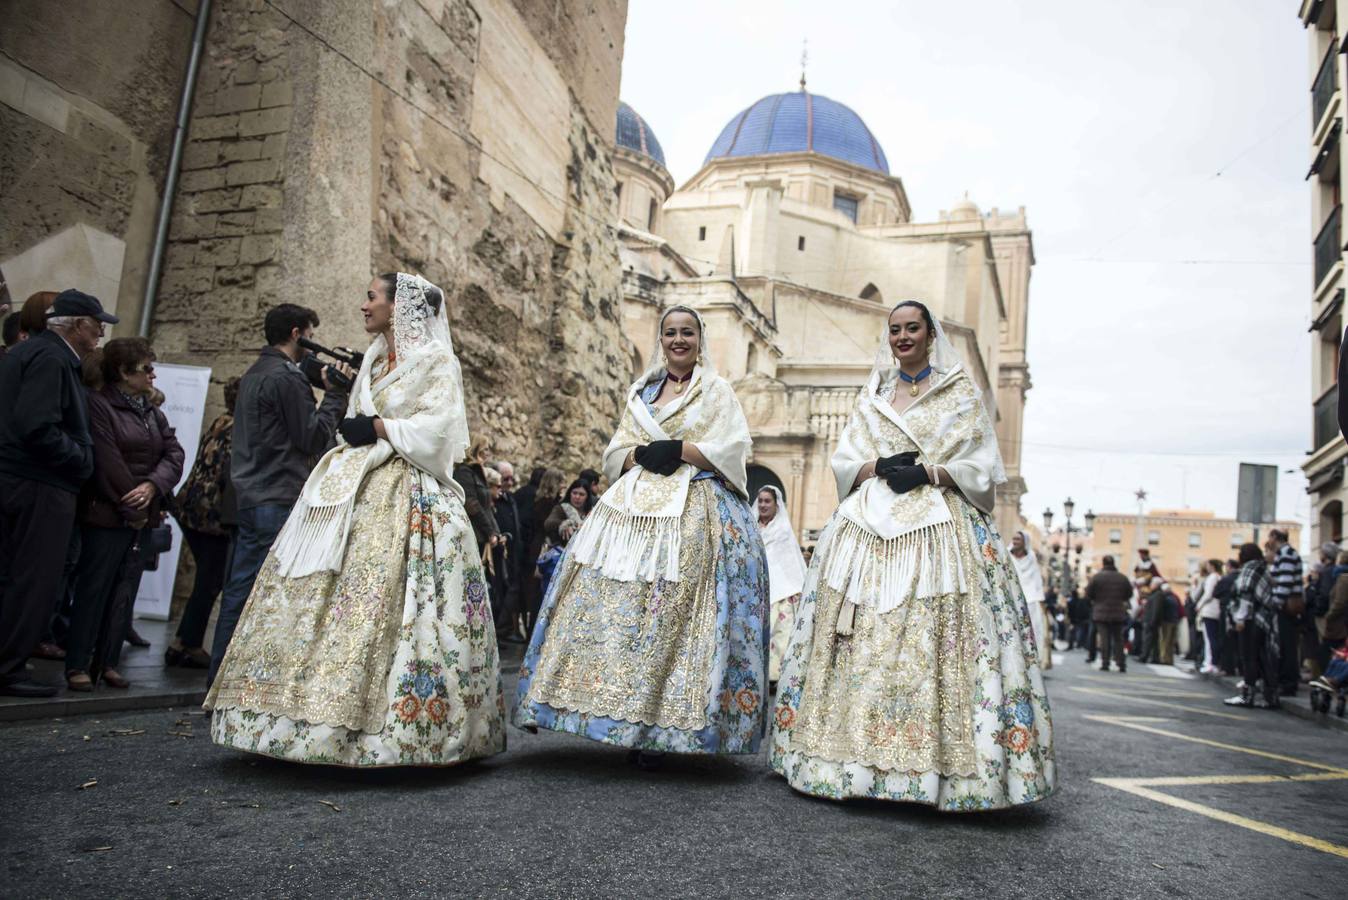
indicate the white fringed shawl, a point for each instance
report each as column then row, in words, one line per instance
column 888, row 547
column 633, row 532
column 420, row 402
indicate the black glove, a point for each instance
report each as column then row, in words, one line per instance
column 358, row 430
column 660, row 457
column 886, row 463
column 903, row 479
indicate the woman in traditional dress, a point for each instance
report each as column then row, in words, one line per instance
column 912, row 674
column 786, row 572
column 1032, row 583
column 368, row 638
column 653, row 631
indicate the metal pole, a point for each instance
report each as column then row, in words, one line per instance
column 175, row 160
column 1067, row 561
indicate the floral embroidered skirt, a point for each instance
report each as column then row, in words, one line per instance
column 938, row 701
column 391, row 662
column 673, row 666
column 783, row 614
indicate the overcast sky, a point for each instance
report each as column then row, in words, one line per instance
column 1169, row 304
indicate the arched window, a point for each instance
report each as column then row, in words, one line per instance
column 760, row 477
column 1331, row 522
column 871, row 292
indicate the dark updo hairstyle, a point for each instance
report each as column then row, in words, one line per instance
column 1250, row 553
column 121, row 355
column 433, row 294
column 585, row 486
column 920, row 307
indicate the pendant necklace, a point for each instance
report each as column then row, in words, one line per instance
column 914, row 379
column 679, row 383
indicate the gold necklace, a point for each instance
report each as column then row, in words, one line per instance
column 914, row 379
column 679, row 383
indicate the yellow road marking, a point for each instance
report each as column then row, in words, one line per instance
column 1194, row 709
column 1182, row 780
column 1124, row 722
column 1131, row 786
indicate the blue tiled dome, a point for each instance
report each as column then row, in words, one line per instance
column 634, row 134
column 790, row 123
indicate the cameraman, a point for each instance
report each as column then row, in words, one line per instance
column 279, row 431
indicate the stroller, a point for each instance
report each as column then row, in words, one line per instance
column 1331, row 688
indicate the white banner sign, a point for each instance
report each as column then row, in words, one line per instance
column 184, row 390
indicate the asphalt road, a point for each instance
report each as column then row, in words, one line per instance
column 561, row 817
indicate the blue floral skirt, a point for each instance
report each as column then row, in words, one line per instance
column 672, row 666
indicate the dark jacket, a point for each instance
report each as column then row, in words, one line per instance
column 524, row 506
column 1078, row 610
column 1109, row 592
column 477, row 501
column 1336, row 619
column 556, row 519
column 279, row 430
column 1172, row 611
column 507, row 515
column 130, row 447
column 44, row 417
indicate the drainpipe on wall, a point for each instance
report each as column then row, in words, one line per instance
column 175, row 160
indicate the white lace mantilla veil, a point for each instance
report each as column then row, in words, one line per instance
column 419, row 330
column 946, row 365
column 890, row 546
column 634, row 531
column 424, row 419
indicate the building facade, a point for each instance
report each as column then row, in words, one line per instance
column 794, row 240
column 1178, row 540
column 1324, row 464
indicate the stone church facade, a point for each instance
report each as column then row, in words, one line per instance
column 794, row 241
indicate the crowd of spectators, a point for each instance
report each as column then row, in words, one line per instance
column 89, row 465
column 1257, row 617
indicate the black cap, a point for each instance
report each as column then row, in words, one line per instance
column 77, row 303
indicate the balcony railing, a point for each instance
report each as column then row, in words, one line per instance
column 1322, row 91
column 1327, row 417
column 1328, row 246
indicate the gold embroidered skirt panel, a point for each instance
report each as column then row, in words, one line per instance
column 319, row 648
column 638, row 651
column 898, row 692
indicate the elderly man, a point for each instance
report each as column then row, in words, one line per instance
column 46, row 455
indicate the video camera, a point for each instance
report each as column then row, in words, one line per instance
column 313, row 368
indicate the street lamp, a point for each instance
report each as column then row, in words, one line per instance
column 1068, row 507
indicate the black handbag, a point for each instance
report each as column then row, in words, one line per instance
column 154, row 541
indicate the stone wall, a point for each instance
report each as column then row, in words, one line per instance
column 88, row 96
column 304, row 177
column 536, row 320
